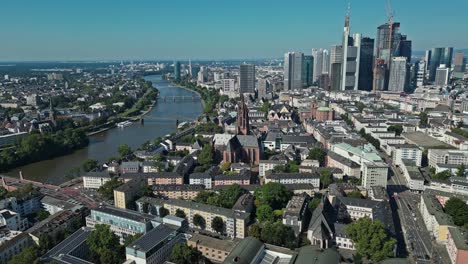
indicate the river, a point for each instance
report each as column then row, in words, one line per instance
column 160, row 121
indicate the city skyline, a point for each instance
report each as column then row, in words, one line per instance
column 144, row 31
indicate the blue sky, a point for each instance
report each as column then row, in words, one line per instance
column 210, row 29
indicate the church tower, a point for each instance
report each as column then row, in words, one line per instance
column 242, row 118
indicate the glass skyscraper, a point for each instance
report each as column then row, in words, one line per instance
column 307, row 71
column 366, row 64
column 438, row 57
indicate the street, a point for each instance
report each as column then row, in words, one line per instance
column 405, row 205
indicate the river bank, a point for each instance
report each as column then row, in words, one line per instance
column 160, row 120
column 189, row 89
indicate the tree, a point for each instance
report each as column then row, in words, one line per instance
column 265, row 213
column 458, row 210
column 107, row 189
column 354, row 194
column 217, row 224
column 180, row 213
column 163, row 212
column 314, row 203
column 255, row 231
column 228, row 196
column 398, row 129
column 104, row 245
column 183, row 254
column 225, row 166
column 199, row 221
column 326, row 177
column 371, row 239
column 273, row 194
column 423, row 119
column 443, row 175
column 124, row 150
column 461, row 171
column 42, row 214
column 206, row 155
column 278, row 234
column 3, row 193
column 265, row 107
column 130, row 239
column 45, row 243
column 317, row 154
column 360, row 106
column 28, row 255
column 89, row 165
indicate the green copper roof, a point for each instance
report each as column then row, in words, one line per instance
column 324, row 108
column 313, row 255
column 244, row 252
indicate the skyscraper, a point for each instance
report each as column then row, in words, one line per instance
column 459, row 62
column 399, row 75
column 293, row 71
column 442, row 75
column 307, row 71
column 247, row 78
column 439, row 56
column 380, row 69
column 177, row 70
column 336, row 58
column 194, row 70
column 318, row 63
column 421, row 73
column 389, row 43
column 351, row 55
column 325, row 62
column 366, row 62
column 264, row 88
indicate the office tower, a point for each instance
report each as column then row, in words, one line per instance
column 264, row 88
column 439, row 56
column 459, row 62
column 229, row 85
column 202, row 75
column 351, row 54
column 442, row 75
column 380, row 74
column 190, row 68
column 307, row 71
column 399, row 75
column 325, row 62
column 427, row 59
column 389, row 43
column 247, row 79
column 383, row 41
column 293, row 71
column 366, row 63
column 177, row 70
column 336, row 58
column 318, row 63
column 421, row 73
column 194, row 70
column 405, row 48
column 324, row 81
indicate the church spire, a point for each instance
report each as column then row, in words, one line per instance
column 242, row 118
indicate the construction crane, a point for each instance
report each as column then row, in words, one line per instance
column 390, row 14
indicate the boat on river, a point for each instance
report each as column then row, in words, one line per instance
column 124, row 124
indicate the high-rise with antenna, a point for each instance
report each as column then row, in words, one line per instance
column 350, row 60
